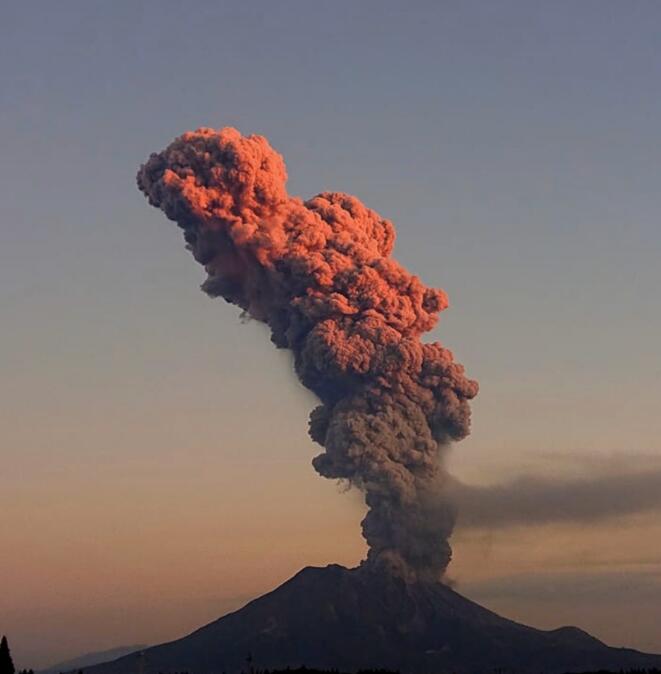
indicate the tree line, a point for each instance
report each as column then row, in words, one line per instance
column 6, row 662
column 7, row 667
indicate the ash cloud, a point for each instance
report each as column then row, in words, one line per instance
column 531, row 500
column 320, row 274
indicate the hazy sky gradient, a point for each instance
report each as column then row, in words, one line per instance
column 155, row 459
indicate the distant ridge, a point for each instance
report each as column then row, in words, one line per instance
column 90, row 659
column 353, row 619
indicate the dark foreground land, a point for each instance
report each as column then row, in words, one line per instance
column 347, row 620
column 307, row 670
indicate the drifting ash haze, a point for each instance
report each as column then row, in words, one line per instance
column 319, row 273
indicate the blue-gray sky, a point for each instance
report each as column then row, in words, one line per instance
column 515, row 145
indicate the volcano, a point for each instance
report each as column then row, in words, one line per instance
column 353, row 619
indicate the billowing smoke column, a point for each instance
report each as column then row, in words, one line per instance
column 319, row 273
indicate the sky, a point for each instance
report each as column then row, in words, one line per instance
column 155, row 459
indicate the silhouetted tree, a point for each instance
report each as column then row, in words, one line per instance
column 6, row 663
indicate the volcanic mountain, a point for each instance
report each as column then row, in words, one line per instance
column 352, row 619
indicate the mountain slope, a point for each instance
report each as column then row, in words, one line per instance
column 334, row 617
column 90, row 659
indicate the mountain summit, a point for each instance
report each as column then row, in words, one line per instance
column 351, row 619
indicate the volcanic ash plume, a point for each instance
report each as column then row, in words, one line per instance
column 319, row 273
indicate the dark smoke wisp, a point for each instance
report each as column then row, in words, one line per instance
column 319, row 273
